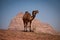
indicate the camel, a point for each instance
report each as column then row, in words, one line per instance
column 27, row 18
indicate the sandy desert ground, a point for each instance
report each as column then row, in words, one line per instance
column 20, row 35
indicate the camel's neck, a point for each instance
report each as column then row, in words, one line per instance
column 33, row 16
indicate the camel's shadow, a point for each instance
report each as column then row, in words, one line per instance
column 26, row 31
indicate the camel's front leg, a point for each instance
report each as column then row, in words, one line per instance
column 30, row 27
column 25, row 27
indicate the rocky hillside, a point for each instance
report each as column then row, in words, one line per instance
column 37, row 26
column 20, row 35
column 42, row 31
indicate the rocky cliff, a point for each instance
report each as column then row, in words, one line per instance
column 37, row 26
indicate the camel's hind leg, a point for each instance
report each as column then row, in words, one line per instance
column 25, row 26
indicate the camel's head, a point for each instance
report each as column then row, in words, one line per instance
column 35, row 12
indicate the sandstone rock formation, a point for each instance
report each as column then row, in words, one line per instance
column 37, row 26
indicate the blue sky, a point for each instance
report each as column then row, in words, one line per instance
column 49, row 11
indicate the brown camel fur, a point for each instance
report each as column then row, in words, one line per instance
column 27, row 18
